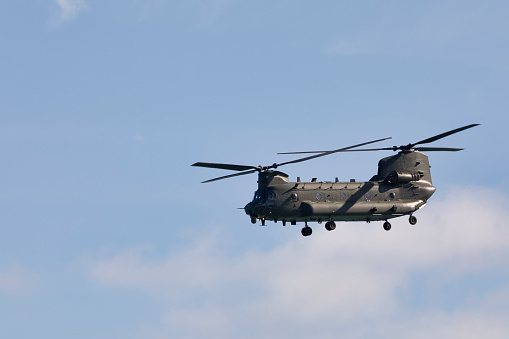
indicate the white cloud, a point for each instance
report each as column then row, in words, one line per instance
column 353, row 282
column 70, row 8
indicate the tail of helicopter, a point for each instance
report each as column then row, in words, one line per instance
column 404, row 167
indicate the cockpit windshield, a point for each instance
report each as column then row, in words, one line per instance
column 256, row 195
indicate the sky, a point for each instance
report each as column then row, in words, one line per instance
column 108, row 232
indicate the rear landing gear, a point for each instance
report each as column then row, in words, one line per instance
column 330, row 225
column 387, row 226
column 412, row 220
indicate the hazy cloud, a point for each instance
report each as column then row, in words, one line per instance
column 464, row 32
column 210, row 10
column 14, row 282
column 358, row 281
column 70, row 8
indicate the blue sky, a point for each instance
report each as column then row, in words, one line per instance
column 108, row 232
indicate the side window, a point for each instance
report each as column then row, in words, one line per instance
column 294, row 197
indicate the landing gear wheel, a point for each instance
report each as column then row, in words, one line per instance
column 387, row 226
column 412, row 220
column 330, row 225
column 306, row 231
column 253, row 220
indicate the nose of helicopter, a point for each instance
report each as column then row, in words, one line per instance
column 249, row 208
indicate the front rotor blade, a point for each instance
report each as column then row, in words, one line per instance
column 230, row 176
column 224, row 166
column 308, row 152
column 445, row 149
column 329, row 152
column 443, row 135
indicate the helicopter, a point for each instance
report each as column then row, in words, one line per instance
column 401, row 187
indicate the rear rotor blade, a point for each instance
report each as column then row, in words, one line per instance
column 443, row 135
column 420, row 149
column 230, row 176
column 445, row 149
column 327, row 153
column 348, row 150
column 224, row 166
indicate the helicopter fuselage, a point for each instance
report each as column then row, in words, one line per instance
column 336, row 201
column 401, row 186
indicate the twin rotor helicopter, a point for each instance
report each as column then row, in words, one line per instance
column 402, row 186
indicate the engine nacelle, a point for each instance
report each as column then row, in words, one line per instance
column 397, row 178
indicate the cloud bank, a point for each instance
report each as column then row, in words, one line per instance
column 444, row 277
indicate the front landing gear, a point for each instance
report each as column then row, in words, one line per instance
column 387, row 226
column 412, row 220
column 306, row 231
